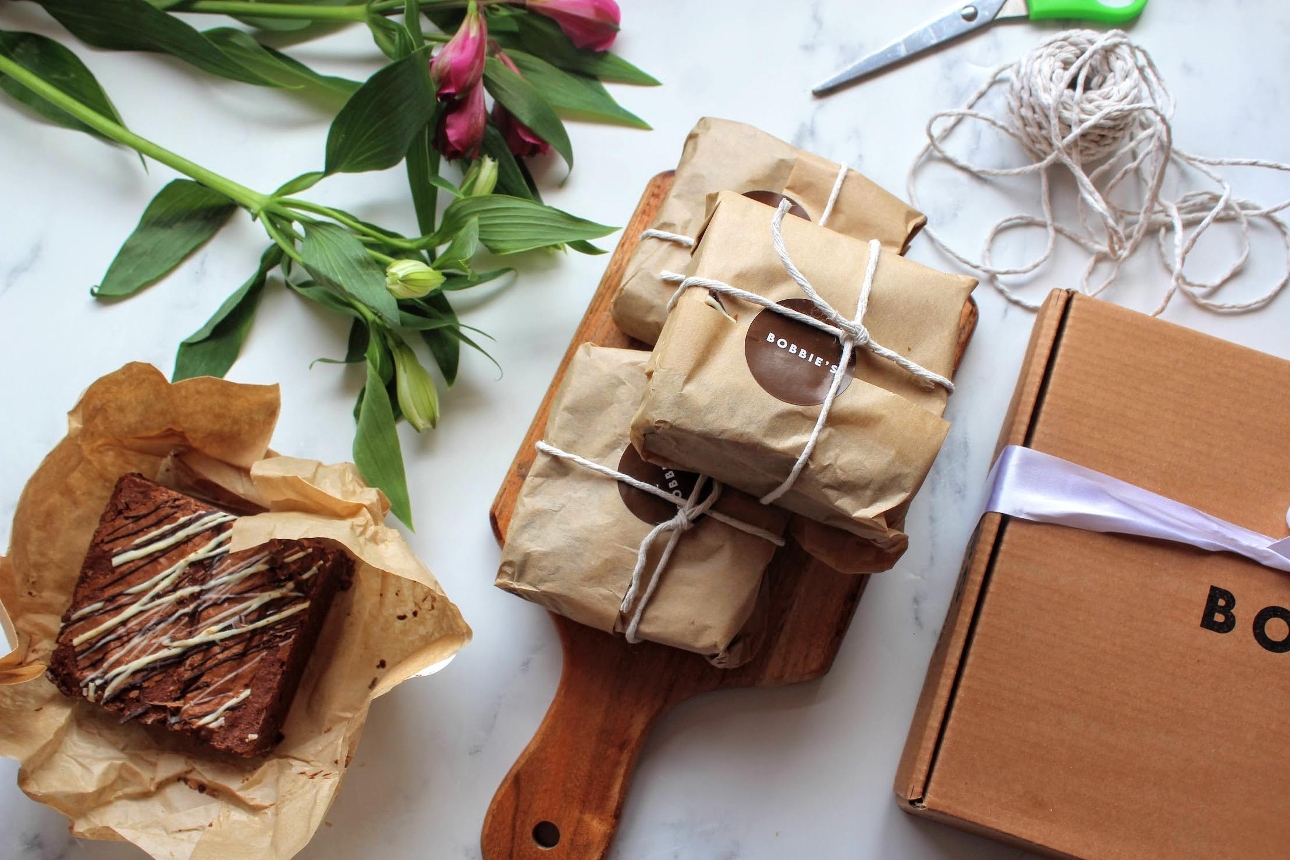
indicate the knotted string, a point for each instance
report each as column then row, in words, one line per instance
column 688, row 512
column 850, row 332
column 687, row 242
column 1084, row 97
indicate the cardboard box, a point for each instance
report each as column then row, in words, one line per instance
column 1105, row 697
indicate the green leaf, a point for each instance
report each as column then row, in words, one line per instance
column 375, row 128
column 461, row 249
column 59, row 67
column 275, row 66
column 508, row 225
column 423, row 171
column 543, row 37
column 334, row 257
column 444, row 343
column 360, row 336
column 512, row 179
column 573, row 95
column 412, row 20
column 394, row 41
column 452, row 283
column 377, row 452
column 587, row 248
column 303, row 182
column 344, row 86
column 416, row 322
column 327, row 298
column 355, row 350
column 523, row 99
column 137, row 25
column 180, row 219
column 212, row 349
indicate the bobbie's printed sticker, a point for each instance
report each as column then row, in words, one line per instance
column 772, row 199
column 793, row 361
column 647, row 507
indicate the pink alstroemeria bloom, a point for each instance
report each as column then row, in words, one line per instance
column 459, row 66
column 521, row 140
column 591, row 24
column 461, row 130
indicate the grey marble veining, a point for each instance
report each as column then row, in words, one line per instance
column 746, row 775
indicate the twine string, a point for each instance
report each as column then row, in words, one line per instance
column 689, row 511
column 688, row 242
column 850, row 332
column 1094, row 104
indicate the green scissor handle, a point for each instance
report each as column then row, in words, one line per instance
column 1086, row 10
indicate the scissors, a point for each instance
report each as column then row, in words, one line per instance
column 974, row 15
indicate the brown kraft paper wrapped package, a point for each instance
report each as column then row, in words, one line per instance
column 575, row 534
column 735, row 390
column 721, row 155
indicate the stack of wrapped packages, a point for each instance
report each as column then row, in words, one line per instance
column 795, row 390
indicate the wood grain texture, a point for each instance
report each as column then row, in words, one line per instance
column 572, row 779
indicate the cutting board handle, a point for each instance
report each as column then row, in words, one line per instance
column 564, row 796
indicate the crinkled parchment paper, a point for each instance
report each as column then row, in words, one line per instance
column 127, row 782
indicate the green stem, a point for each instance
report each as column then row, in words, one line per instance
column 345, row 220
column 240, row 194
column 285, row 10
column 342, row 14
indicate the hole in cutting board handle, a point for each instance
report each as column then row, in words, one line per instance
column 546, row 835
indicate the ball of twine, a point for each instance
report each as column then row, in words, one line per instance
column 1062, row 86
column 1094, row 105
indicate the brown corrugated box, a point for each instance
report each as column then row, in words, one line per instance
column 1075, row 704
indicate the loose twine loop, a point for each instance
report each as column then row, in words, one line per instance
column 1094, row 103
column 689, row 510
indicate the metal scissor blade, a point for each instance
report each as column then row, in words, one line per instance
column 964, row 19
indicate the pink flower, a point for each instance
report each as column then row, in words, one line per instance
column 589, row 24
column 459, row 65
column 462, row 128
column 521, row 140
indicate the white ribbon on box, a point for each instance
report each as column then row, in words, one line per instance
column 1039, row 487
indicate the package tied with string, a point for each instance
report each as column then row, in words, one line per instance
column 763, row 379
column 172, row 797
column 615, row 543
column 721, row 155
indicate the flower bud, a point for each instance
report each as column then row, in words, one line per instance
column 591, row 24
column 480, row 179
column 461, row 131
column 411, row 279
column 459, row 65
column 418, row 399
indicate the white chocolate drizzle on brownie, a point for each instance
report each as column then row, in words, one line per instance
column 151, row 623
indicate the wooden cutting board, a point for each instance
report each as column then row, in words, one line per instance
column 563, row 797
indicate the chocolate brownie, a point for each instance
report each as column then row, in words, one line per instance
column 169, row 628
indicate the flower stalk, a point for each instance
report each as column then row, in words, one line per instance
column 252, row 201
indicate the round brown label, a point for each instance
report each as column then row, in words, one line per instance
column 773, row 198
column 793, row 361
column 647, row 507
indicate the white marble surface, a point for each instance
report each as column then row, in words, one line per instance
column 798, row 772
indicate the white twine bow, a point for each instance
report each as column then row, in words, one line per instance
column 851, row 332
column 688, row 242
column 699, row 504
